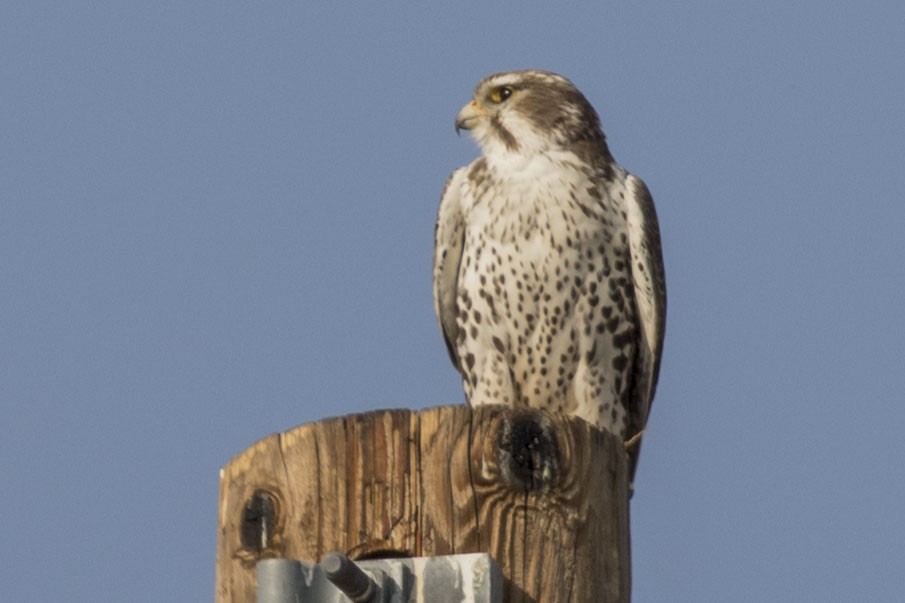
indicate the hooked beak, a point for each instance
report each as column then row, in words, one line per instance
column 468, row 116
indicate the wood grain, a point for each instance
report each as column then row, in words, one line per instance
column 545, row 494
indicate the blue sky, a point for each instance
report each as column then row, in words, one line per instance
column 216, row 222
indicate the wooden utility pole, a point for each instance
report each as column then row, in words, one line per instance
column 544, row 494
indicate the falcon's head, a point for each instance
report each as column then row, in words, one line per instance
column 532, row 112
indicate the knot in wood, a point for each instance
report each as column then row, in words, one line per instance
column 529, row 450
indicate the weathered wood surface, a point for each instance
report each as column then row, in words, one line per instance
column 544, row 494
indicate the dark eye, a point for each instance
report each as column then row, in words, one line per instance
column 500, row 93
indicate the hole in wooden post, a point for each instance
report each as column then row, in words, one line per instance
column 529, row 450
column 258, row 521
column 383, row 554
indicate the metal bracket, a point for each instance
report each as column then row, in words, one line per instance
column 472, row 578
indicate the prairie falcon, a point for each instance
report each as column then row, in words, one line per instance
column 548, row 276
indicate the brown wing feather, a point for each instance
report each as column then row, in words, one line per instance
column 650, row 298
column 449, row 236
